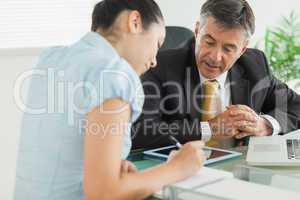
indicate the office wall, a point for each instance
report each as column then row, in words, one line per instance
column 268, row 13
column 14, row 62
column 11, row 67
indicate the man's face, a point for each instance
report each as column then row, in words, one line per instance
column 217, row 48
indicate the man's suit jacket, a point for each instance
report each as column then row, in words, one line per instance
column 173, row 96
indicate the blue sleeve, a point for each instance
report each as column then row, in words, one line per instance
column 115, row 81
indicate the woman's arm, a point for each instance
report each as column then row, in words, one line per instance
column 103, row 146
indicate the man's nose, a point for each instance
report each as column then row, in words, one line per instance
column 217, row 55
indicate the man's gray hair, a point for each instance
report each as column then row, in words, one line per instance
column 230, row 14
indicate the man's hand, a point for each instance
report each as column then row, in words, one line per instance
column 248, row 122
column 222, row 126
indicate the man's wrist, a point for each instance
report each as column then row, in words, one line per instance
column 273, row 124
column 206, row 132
column 265, row 127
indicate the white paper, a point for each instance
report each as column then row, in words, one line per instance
column 204, row 176
column 242, row 190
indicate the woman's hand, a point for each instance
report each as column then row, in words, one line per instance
column 188, row 159
column 127, row 167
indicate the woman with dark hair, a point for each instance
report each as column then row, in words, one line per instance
column 76, row 150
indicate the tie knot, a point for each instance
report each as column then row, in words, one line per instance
column 213, row 84
column 211, row 104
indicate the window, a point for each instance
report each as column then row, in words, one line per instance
column 41, row 23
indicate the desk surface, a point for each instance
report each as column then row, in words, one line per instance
column 228, row 165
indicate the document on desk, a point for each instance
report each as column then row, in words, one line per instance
column 242, row 190
column 205, row 176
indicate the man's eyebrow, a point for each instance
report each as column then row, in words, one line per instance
column 228, row 45
column 209, row 37
column 232, row 46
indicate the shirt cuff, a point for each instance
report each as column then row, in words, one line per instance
column 274, row 124
column 205, row 131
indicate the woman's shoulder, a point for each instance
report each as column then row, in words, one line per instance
column 114, row 79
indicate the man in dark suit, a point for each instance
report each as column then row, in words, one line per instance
column 215, row 88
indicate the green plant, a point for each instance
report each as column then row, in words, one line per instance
column 282, row 48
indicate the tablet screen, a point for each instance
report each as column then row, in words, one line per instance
column 210, row 153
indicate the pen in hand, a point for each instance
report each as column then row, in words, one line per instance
column 178, row 145
column 175, row 141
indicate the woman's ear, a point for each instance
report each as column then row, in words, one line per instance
column 134, row 24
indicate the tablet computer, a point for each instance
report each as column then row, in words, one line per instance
column 213, row 154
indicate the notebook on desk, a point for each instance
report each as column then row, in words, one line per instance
column 205, row 176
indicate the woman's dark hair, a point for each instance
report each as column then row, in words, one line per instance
column 230, row 14
column 106, row 12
